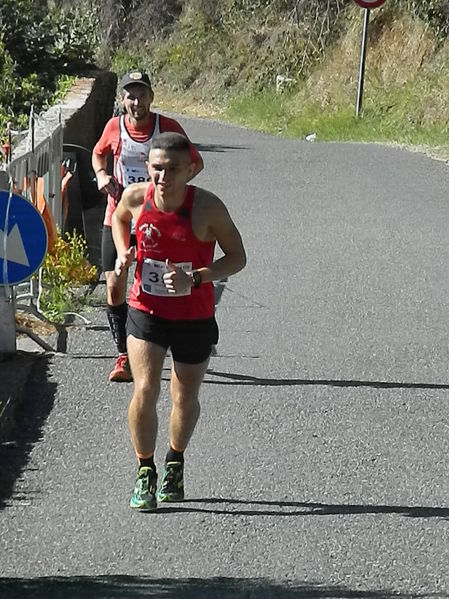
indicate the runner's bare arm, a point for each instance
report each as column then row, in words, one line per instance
column 99, row 163
column 128, row 207
column 220, row 226
column 104, row 180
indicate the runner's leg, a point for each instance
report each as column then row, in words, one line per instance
column 185, row 384
column 147, row 360
column 116, row 306
column 186, row 380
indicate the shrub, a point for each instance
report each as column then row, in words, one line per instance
column 66, row 269
column 37, row 47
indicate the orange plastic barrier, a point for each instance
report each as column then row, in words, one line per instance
column 38, row 198
column 35, row 185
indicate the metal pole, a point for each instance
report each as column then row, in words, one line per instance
column 362, row 62
column 32, row 126
column 7, row 307
column 7, row 324
column 9, row 143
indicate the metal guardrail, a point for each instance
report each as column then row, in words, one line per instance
column 38, row 156
column 42, row 159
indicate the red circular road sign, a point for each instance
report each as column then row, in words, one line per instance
column 369, row 3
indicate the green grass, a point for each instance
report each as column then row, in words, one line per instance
column 396, row 116
column 406, row 83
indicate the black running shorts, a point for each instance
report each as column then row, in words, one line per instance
column 190, row 341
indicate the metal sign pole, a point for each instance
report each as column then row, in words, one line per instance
column 7, row 308
column 362, row 62
column 32, row 126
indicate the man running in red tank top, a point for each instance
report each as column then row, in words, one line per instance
column 127, row 138
column 171, row 303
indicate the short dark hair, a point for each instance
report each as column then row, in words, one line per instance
column 170, row 141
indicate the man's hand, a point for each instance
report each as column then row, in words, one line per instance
column 176, row 280
column 108, row 184
column 124, row 261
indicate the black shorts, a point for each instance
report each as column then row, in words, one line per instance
column 190, row 341
column 108, row 251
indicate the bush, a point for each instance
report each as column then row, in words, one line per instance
column 37, row 47
column 66, row 269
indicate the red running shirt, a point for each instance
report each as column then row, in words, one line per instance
column 110, row 142
column 161, row 235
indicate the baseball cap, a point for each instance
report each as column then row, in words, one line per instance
column 135, row 77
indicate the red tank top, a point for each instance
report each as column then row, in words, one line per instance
column 161, row 235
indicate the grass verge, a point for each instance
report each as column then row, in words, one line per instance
column 404, row 102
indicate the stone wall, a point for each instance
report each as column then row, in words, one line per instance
column 84, row 125
column 94, row 99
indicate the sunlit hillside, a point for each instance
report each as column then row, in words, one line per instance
column 285, row 66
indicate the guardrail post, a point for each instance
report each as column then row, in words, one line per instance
column 7, row 311
column 7, row 324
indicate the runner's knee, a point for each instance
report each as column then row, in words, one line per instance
column 146, row 391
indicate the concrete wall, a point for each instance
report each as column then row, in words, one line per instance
column 85, row 126
column 81, row 132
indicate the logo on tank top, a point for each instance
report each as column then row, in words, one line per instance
column 150, row 236
column 179, row 234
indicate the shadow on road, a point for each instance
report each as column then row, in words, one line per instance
column 218, row 147
column 30, row 416
column 133, row 587
column 246, row 379
column 299, row 508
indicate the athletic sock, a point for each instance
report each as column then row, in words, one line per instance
column 117, row 323
column 147, row 462
column 174, row 456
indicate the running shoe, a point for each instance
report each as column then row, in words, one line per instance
column 172, row 485
column 122, row 370
column 144, row 496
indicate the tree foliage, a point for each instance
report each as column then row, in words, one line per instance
column 245, row 42
column 39, row 42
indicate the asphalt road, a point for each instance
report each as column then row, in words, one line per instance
column 319, row 466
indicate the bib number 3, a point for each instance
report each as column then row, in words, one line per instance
column 153, row 277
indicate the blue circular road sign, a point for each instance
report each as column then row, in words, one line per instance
column 23, row 239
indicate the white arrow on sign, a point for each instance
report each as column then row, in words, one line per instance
column 15, row 250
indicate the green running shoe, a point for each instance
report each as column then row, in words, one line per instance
column 144, row 496
column 172, row 485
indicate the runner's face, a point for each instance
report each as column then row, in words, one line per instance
column 169, row 171
column 136, row 101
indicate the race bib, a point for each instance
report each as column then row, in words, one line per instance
column 152, row 277
column 133, row 174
